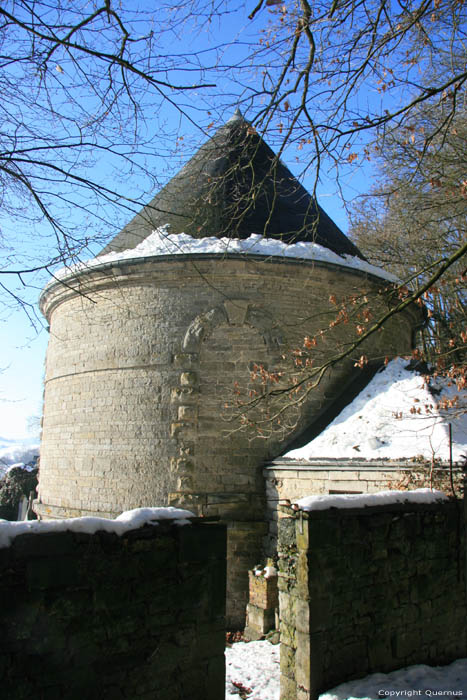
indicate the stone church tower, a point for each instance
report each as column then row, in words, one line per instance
column 144, row 351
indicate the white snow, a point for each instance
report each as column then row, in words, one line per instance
column 413, row 681
column 394, row 417
column 160, row 242
column 266, row 571
column 255, row 665
column 129, row 520
column 16, row 453
column 309, row 503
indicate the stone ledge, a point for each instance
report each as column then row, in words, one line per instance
column 333, row 512
column 47, row 511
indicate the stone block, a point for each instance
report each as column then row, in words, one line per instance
column 182, row 465
column 233, row 511
column 306, row 615
column 209, row 644
column 188, row 379
column 185, row 360
column 190, row 501
column 49, row 544
column 41, row 575
column 184, row 483
column 288, row 607
column 236, row 310
column 406, row 643
column 201, row 544
column 288, row 688
column 263, row 591
column 380, row 653
column 303, row 659
column 288, row 634
column 287, row 661
column 180, row 428
column 258, row 622
column 215, row 678
column 187, row 412
column 182, row 393
column 223, row 498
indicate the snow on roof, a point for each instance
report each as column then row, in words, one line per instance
column 309, row 503
column 129, row 520
column 394, row 417
column 212, row 194
column 160, row 242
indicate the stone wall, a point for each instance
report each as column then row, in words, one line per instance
column 294, row 480
column 142, row 360
column 104, row 617
column 369, row 590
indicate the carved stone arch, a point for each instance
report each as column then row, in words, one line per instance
column 185, row 393
column 201, row 327
column 264, row 323
column 233, row 312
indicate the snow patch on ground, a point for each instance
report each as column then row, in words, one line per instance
column 413, row 681
column 160, row 242
column 129, row 520
column 378, row 424
column 309, row 503
column 255, row 665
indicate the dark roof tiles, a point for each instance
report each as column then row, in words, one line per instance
column 235, row 186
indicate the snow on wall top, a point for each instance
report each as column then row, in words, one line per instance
column 309, row 503
column 160, row 242
column 129, row 520
column 394, row 417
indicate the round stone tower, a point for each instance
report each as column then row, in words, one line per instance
column 145, row 350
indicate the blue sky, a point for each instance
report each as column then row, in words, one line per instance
column 22, row 358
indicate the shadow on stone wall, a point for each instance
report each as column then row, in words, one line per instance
column 369, row 590
column 106, row 617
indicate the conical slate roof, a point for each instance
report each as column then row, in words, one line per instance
column 235, row 186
